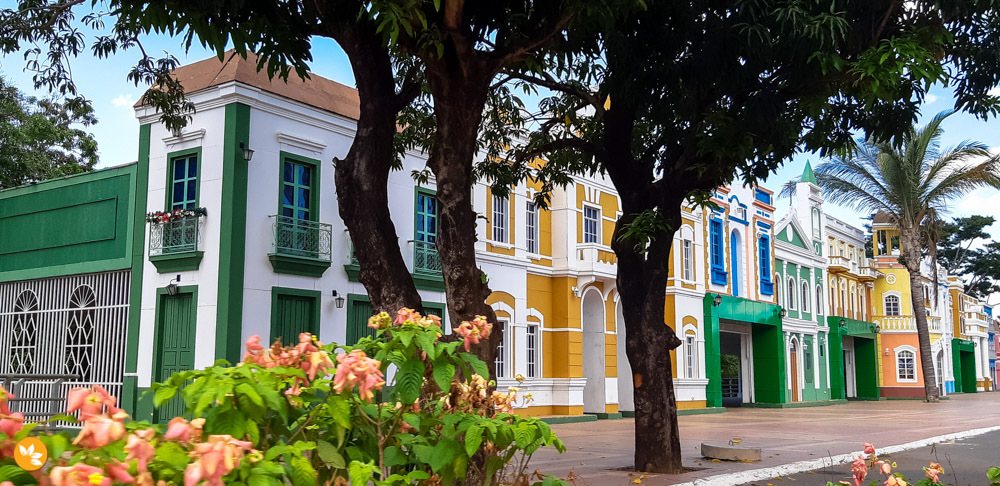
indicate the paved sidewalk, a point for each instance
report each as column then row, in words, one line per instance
column 600, row 453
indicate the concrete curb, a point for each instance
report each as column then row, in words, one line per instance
column 803, row 466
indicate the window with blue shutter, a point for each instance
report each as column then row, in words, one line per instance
column 766, row 285
column 719, row 276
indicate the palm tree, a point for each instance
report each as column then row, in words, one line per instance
column 910, row 179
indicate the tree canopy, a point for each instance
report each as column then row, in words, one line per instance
column 42, row 138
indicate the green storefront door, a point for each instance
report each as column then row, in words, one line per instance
column 295, row 314
column 357, row 321
column 175, row 346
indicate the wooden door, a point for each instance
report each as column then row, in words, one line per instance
column 175, row 345
column 795, row 374
column 294, row 315
column 357, row 325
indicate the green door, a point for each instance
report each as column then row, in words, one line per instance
column 293, row 315
column 175, row 345
column 357, row 321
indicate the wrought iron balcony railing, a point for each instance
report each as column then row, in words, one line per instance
column 179, row 235
column 301, row 238
column 426, row 260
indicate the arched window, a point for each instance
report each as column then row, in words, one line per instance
column 906, row 366
column 861, row 306
column 805, row 296
column 690, row 354
column 24, row 334
column 79, row 358
column 892, row 305
column 833, row 296
column 853, row 308
column 790, row 294
column 819, row 299
column 777, row 290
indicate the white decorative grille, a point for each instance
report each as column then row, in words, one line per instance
column 73, row 325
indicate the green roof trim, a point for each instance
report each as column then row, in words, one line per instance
column 808, row 175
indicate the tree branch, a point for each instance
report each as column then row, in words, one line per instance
column 546, row 80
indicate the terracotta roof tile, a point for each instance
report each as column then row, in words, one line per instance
column 317, row 91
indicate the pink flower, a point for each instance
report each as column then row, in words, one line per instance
column 884, row 467
column 933, row 471
column 869, row 449
column 318, row 363
column 860, row 470
column 91, row 401
column 139, row 448
column 182, row 431
column 5, row 397
column 358, row 369
column 380, row 321
column 79, row 474
column 478, row 328
column 215, row 459
column 99, row 431
column 11, row 424
column 118, row 472
column 406, row 314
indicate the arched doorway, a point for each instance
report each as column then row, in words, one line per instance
column 734, row 261
column 626, row 388
column 939, row 371
column 793, row 368
column 593, row 351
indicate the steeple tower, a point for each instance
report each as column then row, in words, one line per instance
column 809, row 207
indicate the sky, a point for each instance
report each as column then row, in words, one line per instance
column 104, row 82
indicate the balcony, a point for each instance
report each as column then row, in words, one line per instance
column 838, row 264
column 596, row 260
column 867, row 274
column 906, row 323
column 175, row 239
column 299, row 246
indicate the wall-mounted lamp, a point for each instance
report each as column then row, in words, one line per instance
column 876, row 329
column 172, row 286
column 887, row 351
column 717, row 300
column 783, row 313
column 843, row 323
column 247, row 151
column 338, row 300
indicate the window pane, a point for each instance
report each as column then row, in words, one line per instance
column 288, row 176
column 192, row 190
column 193, row 167
column 287, row 195
column 303, row 198
column 303, row 215
column 305, row 175
column 288, row 212
column 178, row 170
column 178, row 192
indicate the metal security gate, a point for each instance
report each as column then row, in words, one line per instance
column 73, row 325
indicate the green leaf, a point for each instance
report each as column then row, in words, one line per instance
column 246, row 390
column 340, row 410
column 394, row 456
column 478, row 366
column 473, row 438
column 172, row 455
column 360, row 473
column 444, row 371
column 524, row 435
column 226, row 421
column 444, row 453
column 16, row 475
column 262, row 480
column 55, row 444
column 302, row 473
column 409, row 380
column 330, row 455
column 163, row 394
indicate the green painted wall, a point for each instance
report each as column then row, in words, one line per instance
column 865, row 358
column 130, row 391
column 866, row 368
column 232, row 249
column 76, row 224
column 768, row 345
column 964, row 362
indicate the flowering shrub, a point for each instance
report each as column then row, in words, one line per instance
column 168, row 216
column 290, row 415
column 869, row 461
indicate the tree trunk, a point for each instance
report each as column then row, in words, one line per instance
column 459, row 101
column 910, row 239
column 642, row 281
column 362, row 176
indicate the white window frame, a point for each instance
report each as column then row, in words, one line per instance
column 690, row 353
column 819, row 298
column 790, row 297
column 531, row 335
column 778, row 291
column 687, row 260
column 531, row 238
column 597, row 223
column 503, row 351
column 501, row 221
column 913, row 357
column 804, row 290
column 885, row 304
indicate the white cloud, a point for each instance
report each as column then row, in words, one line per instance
column 930, row 99
column 123, row 100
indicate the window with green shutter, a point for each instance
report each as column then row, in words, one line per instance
column 359, row 310
column 294, row 311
